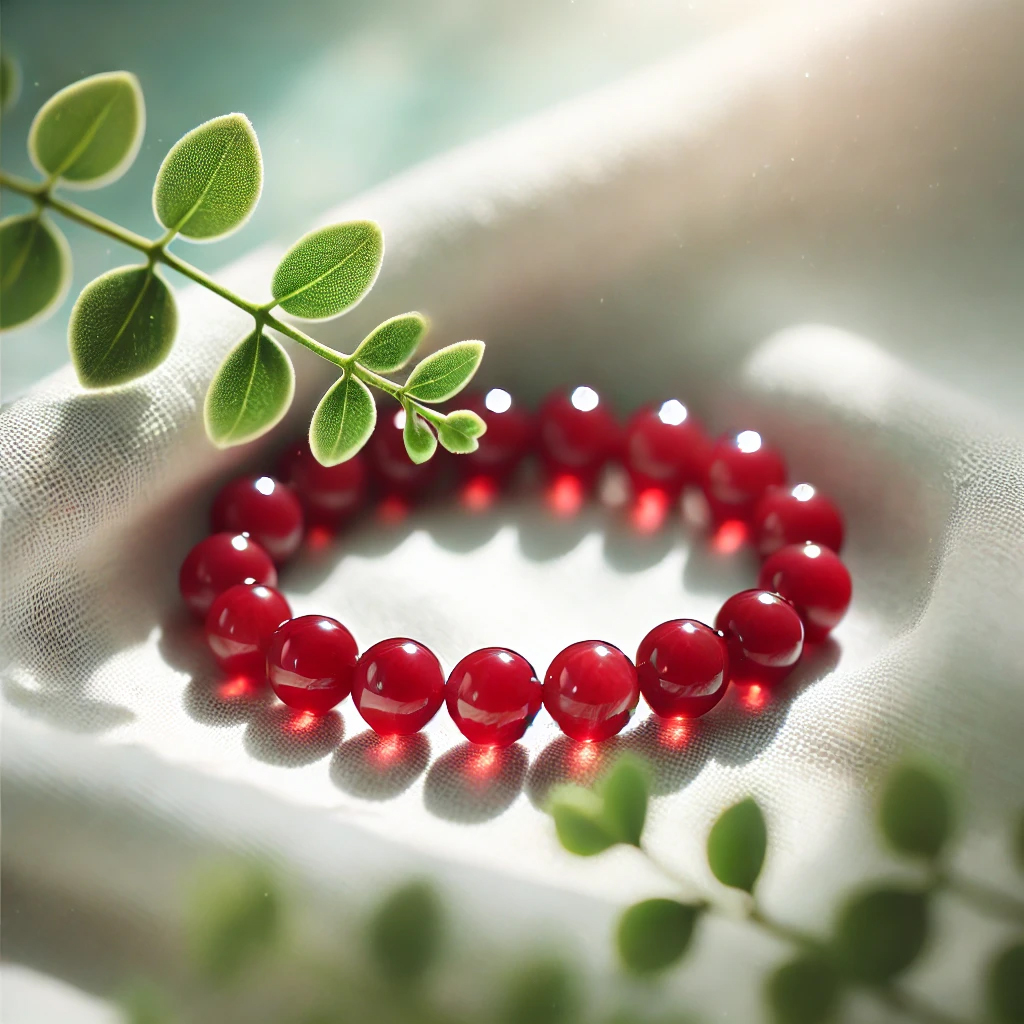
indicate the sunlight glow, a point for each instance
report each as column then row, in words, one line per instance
column 265, row 485
column 748, row 441
column 585, row 399
column 565, row 495
column 478, row 493
column 498, row 400
column 672, row 412
column 649, row 510
column 729, row 537
column 803, row 492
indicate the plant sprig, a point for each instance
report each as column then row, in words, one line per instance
column 124, row 322
column 879, row 932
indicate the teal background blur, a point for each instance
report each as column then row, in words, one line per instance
column 342, row 95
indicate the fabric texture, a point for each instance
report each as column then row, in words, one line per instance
column 729, row 226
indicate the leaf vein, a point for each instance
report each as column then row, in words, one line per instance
column 326, row 273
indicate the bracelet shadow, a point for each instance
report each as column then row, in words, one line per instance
column 375, row 768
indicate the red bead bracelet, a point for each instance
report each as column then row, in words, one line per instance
column 591, row 689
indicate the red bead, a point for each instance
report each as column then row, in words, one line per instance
column 665, row 447
column 683, row 668
column 328, row 493
column 219, row 562
column 263, row 508
column 764, row 633
column 397, row 687
column 740, row 469
column 814, row 579
column 792, row 515
column 509, row 435
column 493, row 695
column 591, row 690
column 310, row 662
column 239, row 625
column 578, row 433
column 390, row 462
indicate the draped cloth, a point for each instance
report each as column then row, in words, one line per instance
column 810, row 226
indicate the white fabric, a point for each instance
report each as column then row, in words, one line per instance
column 850, row 166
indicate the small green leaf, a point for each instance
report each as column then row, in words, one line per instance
column 210, row 181
column 624, row 791
column 141, row 1003
column 35, row 269
column 579, row 821
column 88, row 134
column 343, row 421
column 10, row 81
column 654, row 934
column 330, row 270
column 446, row 372
column 122, row 326
column 881, row 932
column 1018, row 842
column 737, row 844
column 234, row 919
column 1005, row 989
column 391, row 345
column 804, row 991
column 541, row 992
column 406, row 931
column 459, row 431
column 419, row 439
column 250, row 393
column 916, row 811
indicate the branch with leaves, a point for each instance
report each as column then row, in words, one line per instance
column 879, row 932
column 124, row 322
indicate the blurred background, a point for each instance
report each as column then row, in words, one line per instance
column 342, row 95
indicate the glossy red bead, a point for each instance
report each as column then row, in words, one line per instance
column 741, row 467
column 591, row 690
column 218, row 562
column 239, row 625
column 683, row 668
column 310, row 663
column 508, row 438
column 493, row 695
column 792, row 515
column 765, row 636
column 265, row 509
column 814, row 580
column 397, row 686
column 390, row 462
column 577, row 432
column 328, row 494
column 665, row 447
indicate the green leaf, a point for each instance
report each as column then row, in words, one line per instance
column 35, row 269
column 459, row 431
column 804, row 991
column 122, row 326
column 737, row 844
column 391, row 345
column 88, row 134
column 579, row 821
column 419, row 439
column 210, row 181
column 446, row 372
column 343, row 421
column 881, row 932
column 624, row 791
column 405, row 932
column 10, row 81
column 654, row 934
column 1005, row 988
column 916, row 811
column 541, row 992
column 250, row 393
column 330, row 270
column 141, row 1003
column 235, row 917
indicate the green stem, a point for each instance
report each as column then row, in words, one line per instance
column 893, row 996
column 156, row 252
column 983, row 897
